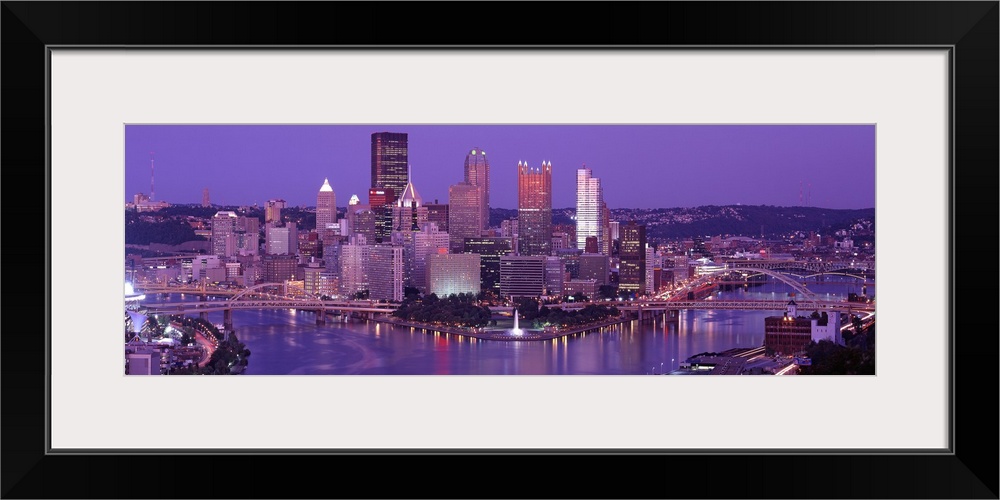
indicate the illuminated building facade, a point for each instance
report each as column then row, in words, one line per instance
column 465, row 214
column 534, row 209
column 589, row 206
column 452, row 273
column 632, row 268
column 390, row 162
column 326, row 207
column 477, row 173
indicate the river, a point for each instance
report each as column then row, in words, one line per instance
column 288, row 342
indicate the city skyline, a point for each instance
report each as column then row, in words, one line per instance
column 641, row 166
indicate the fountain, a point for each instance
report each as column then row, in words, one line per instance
column 510, row 333
column 517, row 329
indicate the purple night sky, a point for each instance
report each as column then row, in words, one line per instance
column 640, row 166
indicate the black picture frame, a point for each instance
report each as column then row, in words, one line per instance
column 969, row 28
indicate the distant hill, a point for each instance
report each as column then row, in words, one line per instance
column 712, row 220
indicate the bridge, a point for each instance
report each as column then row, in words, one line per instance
column 195, row 289
column 802, row 292
column 863, row 267
column 258, row 297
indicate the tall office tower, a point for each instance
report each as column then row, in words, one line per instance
column 489, row 250
column 452, row 273
column 522, row 276
column 438, row 214
column 282, row 240
column 385, row 275
column 477, row 173
column 205, row 202
column 534, row 209
column 429, row 240
column 604, row 241
column 465, row 214
column 652, row 268
column 331, row 261
column 589, row 199
column 632, row 269
column 381, row 201
column 224, row 233
column 354, row 257
column 326, row 207
column 389, row 162
column 409, row 214
column 272, row 211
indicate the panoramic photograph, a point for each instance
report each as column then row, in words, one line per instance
column 466, row 249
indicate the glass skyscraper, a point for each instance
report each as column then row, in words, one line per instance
column 465, row 214
column 534, row 209
column 390, row 162
column 589, row 204
column 477, row 173
column 632, row 268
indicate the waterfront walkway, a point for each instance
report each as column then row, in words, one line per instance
column 504, row 334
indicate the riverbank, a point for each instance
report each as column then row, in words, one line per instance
column 504, row 335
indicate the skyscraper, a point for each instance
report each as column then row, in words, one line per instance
column 534, row 209
column 326, row 207
column 381, row 202
column 385, row 278
column 605, row 238
column 465, row 214
column 477, row 173
column 205, row 202
column 632, row 268
column 589, row 200
column 409, row 213
column 224, row 241
column 389, row 162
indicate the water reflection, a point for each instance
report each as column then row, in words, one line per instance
column 290, row 342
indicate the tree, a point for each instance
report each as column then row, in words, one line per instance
column 607, row 292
